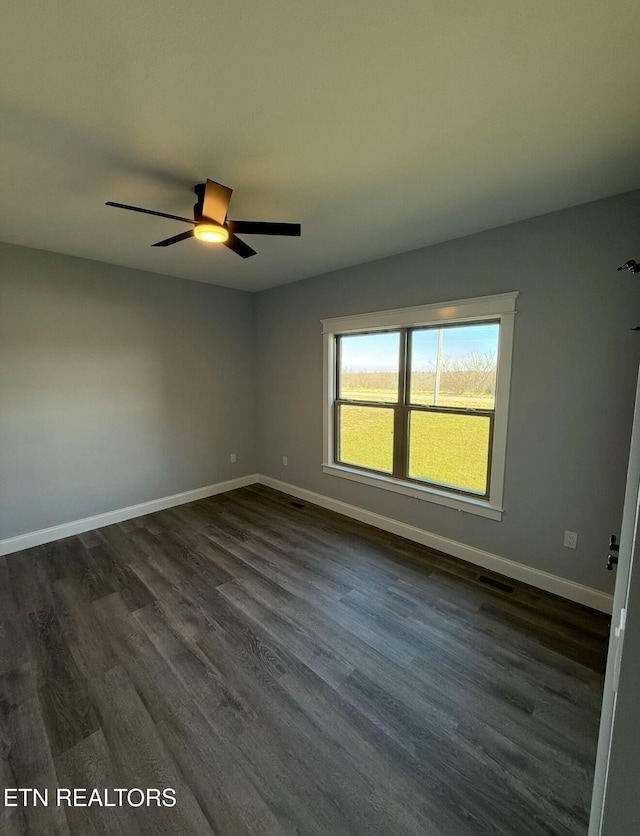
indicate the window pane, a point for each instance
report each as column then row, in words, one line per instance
column 424, row 360
column 450, row 450
column 366, row 437
column 455, row 366
column 369, row 367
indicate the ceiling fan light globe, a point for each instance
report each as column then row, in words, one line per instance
column 211, row 233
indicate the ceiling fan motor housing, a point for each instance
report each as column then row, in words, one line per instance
column 197, row 208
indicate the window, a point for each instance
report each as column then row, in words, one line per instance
column 416, row 400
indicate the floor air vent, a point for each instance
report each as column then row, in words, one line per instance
column 297, row 504
column 496, row 584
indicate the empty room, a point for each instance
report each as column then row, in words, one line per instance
column 319, row 445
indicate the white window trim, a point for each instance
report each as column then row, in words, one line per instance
column 500, row 306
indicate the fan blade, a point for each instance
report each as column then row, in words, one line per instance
column 169, row 241
column 264, row 228
column 216, row 201
column 239, row 247
column 149, row 212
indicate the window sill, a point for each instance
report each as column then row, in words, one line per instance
column 480, row 507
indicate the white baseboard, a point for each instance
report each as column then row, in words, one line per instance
column 518, row 571
column 58, row 532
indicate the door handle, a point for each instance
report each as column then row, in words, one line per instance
column 612, row 559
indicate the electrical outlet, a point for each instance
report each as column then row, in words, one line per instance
column 285, row 461
column 233, row 458
column 571, row 539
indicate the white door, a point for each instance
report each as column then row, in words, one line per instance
column 615, row 806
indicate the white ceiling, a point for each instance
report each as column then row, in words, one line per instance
column 380, row 126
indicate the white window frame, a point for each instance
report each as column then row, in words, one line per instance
column 500, row 307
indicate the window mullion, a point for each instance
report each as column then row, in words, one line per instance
column 399, row 425
column 336, row 394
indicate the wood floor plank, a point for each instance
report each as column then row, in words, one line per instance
column 119, row 576
column 73, row 608
column 226, row 796
column 88, row 765
column 300, row 696
column 26, row 754
column 67, row 709
column 307, row 646
column 325, row 710
column 185, row 658
column 31, row 584
column 13, row 649
column 141, row 758
column 576, row 645
column 346, row 786
column 302, row 532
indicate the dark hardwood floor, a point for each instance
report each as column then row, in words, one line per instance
column 290, row 671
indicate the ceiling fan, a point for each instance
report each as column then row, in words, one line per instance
column 210, row 221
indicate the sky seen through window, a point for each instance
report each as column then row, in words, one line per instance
column 379, row 352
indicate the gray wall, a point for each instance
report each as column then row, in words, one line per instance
column 573, row 378
column 116, row 387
